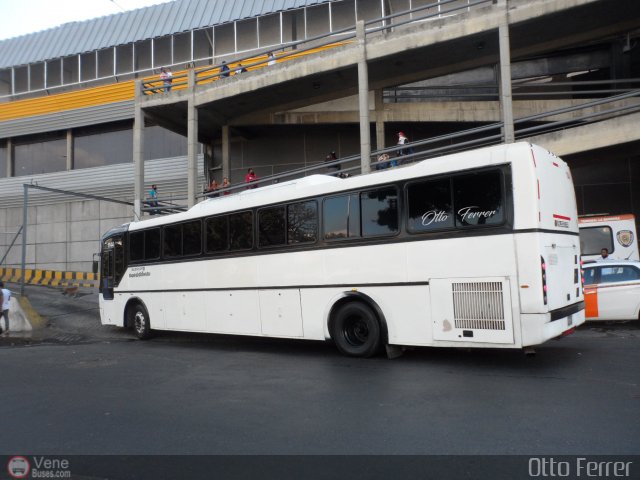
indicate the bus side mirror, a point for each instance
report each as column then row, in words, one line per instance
column 96, row 263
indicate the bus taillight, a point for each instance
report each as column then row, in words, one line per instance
column 543, row 268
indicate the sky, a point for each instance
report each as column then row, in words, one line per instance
column 19, row 17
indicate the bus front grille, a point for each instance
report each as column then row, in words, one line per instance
column 478, row 305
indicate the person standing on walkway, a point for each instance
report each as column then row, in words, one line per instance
column 5, row 299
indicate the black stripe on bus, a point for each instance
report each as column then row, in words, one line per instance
column 564, row 312
column 280, row 287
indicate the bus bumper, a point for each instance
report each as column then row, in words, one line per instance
column 538, row 328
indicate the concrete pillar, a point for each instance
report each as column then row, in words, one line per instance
column 506, row 100
column 226, row 157
column 70, row 159
column 363, row 100
column 11, row 154
column 379, row 119
column 138, row 154
column 192, row 143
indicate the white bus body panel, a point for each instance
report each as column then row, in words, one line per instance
column 413, row 283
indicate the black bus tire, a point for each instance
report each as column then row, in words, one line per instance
column 356, row 330
column 141, row 322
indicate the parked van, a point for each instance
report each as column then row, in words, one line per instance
column 616, row 233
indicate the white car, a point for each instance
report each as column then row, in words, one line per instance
column 612, row 290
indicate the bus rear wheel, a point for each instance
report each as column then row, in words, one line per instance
column 356, row 330
column 141, row 324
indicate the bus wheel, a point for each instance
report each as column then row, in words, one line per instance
column 141, row 323
column 356, row 330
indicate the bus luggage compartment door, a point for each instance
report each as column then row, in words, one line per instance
column 471, row 309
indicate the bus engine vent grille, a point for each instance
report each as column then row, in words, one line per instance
column 478, row 305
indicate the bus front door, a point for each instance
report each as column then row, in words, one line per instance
column 106, row 274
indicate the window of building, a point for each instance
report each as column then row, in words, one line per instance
column 369, row 10
column 124, row 58
column 477, row 199
column 162, row 143
column 5, row 82
column 379, row 212
column 70, row 70
column 271, row 226
column 317, row 20
column 36, row 76
column 341, row 217
column 181, row 47
column 54, row 73
column 21, row 79
column 269, row 30
column 302, row 222
column 88, row 66
column 343, row 14
column 203, row 43
column 293, row 25
column 162, row 51
column 142, row 55
column 430, row 206
column 247, row 34
column 225, row 42
column 3, row 160
column 103, row 145
column 42, row 154
column 105, row 62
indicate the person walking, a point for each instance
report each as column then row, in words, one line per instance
column 5, row 299
column 167, row 78
column 251, row 177
column 153, row 195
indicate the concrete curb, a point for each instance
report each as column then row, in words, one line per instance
column 23, row 317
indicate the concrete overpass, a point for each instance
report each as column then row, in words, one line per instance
column 392, row 56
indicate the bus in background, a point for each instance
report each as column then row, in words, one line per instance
column 476, row 249
column 616, row 233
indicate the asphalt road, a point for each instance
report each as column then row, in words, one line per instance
column 79, row 388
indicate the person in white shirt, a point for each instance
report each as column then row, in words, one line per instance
column 604, row 255
column 5, row 295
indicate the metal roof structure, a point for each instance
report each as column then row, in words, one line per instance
column 135, row 25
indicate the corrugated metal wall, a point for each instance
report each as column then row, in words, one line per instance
column 64, row 120
column 141, row 24
column 112, row 181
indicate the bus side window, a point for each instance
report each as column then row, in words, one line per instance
column 379, row 212
column 241, row 231
column 477, row 199
column 430, row 206
column 271, row 227
column 341, row 217
column 302, row 222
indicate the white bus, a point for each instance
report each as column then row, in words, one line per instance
column 475, row 249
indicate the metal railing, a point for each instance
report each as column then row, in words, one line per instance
column 291, row 50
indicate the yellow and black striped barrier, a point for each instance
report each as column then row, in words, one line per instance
column 51, row 278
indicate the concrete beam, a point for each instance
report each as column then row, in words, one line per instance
column 602, row 134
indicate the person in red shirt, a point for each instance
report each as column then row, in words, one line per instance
column 251, row 177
